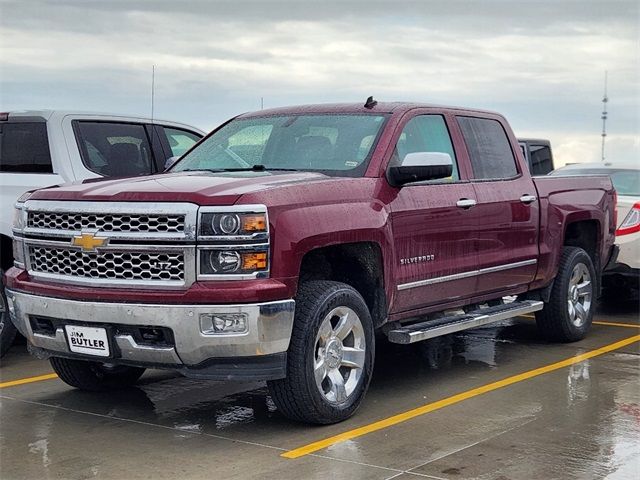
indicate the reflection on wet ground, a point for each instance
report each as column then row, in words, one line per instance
column 582, row 421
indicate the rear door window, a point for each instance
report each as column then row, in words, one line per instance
column 180, row 140
column 489, row 148
column 24, row 148
column 114, row 149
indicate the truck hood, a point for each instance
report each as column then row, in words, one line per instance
column 203, row 188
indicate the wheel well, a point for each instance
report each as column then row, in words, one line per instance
column 584, row 234
column 356, row 264
column 6, row 252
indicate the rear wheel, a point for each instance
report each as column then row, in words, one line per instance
column 7, row 329
column 330, row 357
column 568, row 315
column 94, row 376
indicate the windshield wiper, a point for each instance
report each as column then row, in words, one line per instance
column 253, row 168
column 260, row 168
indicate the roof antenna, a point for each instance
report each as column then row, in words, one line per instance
column 370, row 103
column 153, row 89
column 605, row 99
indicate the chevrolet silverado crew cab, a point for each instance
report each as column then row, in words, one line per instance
column 278, row 246
column 39, row 148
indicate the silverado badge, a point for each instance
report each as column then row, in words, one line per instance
column 418, row 259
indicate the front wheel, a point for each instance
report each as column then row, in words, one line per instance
column 94, row 376
column 330, row 357
column 568, row 314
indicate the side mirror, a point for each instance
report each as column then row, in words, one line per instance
column 169, row 162
column 420, row 166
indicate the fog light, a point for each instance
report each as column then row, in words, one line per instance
column 223, row 323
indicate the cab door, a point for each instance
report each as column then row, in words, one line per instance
column 432, row 225
column 507, row 208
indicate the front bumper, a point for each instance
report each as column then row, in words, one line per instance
column 260, row 353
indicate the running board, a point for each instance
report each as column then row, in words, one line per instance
column 455, row 323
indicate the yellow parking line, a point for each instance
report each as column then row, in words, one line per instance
column 617, row 324
column 608, row 324
column 22, row 381
column 430, row 407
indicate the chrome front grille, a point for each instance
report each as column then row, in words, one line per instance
column 108, row 265
column 118, row 244
column 106, row 222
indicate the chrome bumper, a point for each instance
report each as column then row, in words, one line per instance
column 269, row 328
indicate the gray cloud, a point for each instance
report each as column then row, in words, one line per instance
column 540, row 63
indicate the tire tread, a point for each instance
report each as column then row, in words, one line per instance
column 551, row 319
column 294, row 402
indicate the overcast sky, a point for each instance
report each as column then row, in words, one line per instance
column 540, row 63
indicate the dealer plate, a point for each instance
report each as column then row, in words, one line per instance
column 88, row 340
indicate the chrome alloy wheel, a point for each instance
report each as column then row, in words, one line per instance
column 340, row 352
column 580, row 294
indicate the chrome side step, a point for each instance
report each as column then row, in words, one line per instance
column 455, row 323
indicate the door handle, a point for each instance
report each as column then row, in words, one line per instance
column 527, row 199
column 466, row 203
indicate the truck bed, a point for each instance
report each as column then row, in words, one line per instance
column 589, row 197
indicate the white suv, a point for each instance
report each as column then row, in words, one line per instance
column 624, row 273
column 45, row 147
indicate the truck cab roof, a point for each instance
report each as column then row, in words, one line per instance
column 379, row 107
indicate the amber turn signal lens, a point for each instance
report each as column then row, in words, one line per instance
column 254, row 261
column 254, row 223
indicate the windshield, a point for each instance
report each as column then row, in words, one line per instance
column 338, row 145
column 625, row 181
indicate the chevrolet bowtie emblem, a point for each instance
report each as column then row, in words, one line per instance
column 89, row 242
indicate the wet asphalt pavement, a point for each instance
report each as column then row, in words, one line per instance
column 577, row 421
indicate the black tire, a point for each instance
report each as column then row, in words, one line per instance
column 94, row 376
column 7, row 329
column 554, row 320
column 297, row 396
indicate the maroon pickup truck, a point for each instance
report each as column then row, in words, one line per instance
column 280, row 243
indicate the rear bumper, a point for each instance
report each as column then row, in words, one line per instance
column 260, row 353
column 613, row 259
column 629, row 250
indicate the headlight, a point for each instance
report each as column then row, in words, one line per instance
column 254, row 261
column 233, row 242
column 232, row 224
column 19, row 223
column 19, row 217
column 18, row 252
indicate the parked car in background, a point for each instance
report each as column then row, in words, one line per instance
column 46, row 147
column 276, row 247
column 624, row 274
column 537, row 153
